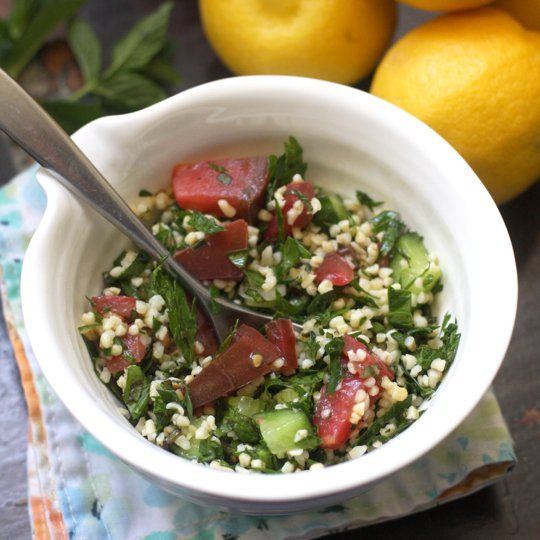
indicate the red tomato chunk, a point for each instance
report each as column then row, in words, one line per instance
column 333, row 412
column 281, row 333
column 205, row 334
column 241, row 182
column 134, row 347
column 301, row 221
column 249, row 356
column 211, row 260
column 335, row 268
column 119, row 305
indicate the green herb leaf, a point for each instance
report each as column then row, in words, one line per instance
column 86, row 48
column 400, row 308
column 334, row 349
column 182, row 316
column 254, row 278
column 214, row 293
column 223, row 175
column 227, row 341
column 142, row 43
column 395, row 414
column 282, row 169
column 136, row 392
column 204, row 224
column 20, row 15
column 37, row 27
column 159, row 69
column 294, row 307
column 280, row 223
column 130, row 90
column 291, row 255
column 366, row 200
column 332, row 209
column 390, row 224
column 239, row 258
column 301, row 196
column 245, row 427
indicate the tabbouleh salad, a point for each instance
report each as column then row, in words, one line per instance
column 272, row 399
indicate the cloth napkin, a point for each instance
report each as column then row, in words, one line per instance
column 78, row 489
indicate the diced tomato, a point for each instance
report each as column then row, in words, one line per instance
column 333, row 412
column 240, row 181
column 116, row 364
column 290, row 197
column 281, row 333
column 352, row 344
column 336, row 269
column 135, row 348
column 206, row 334
column 235, row 367
column 211, row 260
column 120, row 305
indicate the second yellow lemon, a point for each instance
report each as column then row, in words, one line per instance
column 338, row 41
column 446, row 5
column 475, row 78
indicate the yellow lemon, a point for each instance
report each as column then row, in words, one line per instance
column 475, row 78
column 445, row 5
column 527, row 12
column 338, row 40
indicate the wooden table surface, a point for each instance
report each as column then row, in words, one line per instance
column 510, row 509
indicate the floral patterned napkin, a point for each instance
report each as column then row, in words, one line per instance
column 78, row 489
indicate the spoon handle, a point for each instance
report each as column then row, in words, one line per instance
column 25, row 121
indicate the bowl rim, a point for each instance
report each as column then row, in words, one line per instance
column 337, row 479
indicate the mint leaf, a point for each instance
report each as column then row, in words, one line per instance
column 37, row 29
column 144, row 41
column 131, row 90
column 20, row 15
column 86, row 48
column 160, row 70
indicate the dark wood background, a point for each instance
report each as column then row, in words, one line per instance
column 510, row 509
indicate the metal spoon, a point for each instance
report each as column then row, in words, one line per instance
column 25, row 121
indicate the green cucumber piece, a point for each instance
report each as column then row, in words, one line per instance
column 246, row 405
column 279, row 429
column 286, row 396
column 194, row 450
column 410, row 248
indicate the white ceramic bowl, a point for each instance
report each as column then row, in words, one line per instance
column 351, row 140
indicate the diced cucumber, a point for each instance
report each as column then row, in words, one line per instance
column 332, row 209
column 193, row 452
column 286, row 395
column 279, row 429
column 246, row 405
column 411, row 261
